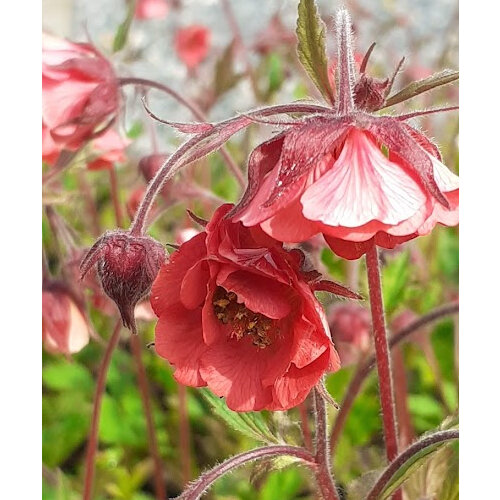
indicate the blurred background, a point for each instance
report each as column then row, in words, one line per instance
column 247, row 60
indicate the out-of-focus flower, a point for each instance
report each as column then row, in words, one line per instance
column 350, row 327
column 64, row 327
column 192, row 45
column 106, row 150
column 80, row 93
column 185, row 234
column 237, row 312
column 151, row 9
column 50, row 151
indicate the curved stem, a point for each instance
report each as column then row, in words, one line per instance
column 202, row 144
column 96, row 412
column 198, row 487
column 365, row 367
column 383, row 480
column 322, row 457
column 382, row 353
column 197, row 113
column 159, row 483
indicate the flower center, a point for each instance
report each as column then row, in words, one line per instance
column 242, row 320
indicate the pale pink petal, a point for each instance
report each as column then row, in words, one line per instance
column 362, row 186
column 78, row 334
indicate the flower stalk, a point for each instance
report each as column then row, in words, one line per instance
column 96, row 412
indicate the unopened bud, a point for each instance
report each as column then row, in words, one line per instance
column 127, row 266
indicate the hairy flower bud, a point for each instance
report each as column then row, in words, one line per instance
column 369, row 93
column 126, row 266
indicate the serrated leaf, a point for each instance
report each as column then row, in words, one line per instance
column 225, row 77
column 311, row 48
column 415, row 88
column 252, row 424
column 121, row 34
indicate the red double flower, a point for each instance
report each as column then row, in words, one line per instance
column 237, row 313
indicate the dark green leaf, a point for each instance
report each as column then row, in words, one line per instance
column 415, row 88
column 311, row 48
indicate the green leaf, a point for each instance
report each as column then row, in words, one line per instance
column 311, row 48
column 66, row 376
column 252, row 424
column 415, row 88
column 122, row 32
column 412, row 464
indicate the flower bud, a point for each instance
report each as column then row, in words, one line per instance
column 126, row 267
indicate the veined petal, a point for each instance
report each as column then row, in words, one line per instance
column 363, row 185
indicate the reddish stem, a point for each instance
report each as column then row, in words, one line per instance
column 304, row 424
column 382, row 355
column 96, row 412
column 197, row 113
column 365, row 366
column 115, row 196
column 198, row 487
column 184, row 434
column 159, row 482
column 322, row 457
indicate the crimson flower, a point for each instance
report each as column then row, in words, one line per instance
column 64, row 327
column 358, row 178
column 80, row 93
column 151, row 9
column 126, row 267
column 237, row 313
column 192, row 44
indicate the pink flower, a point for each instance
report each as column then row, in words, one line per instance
column 237, row 313
column 350, row 327
column 106, row 150
column 64, row 327
column 330, row 176
column 151, row 9
column 80, row 93
column 192, row 44
column 50, row 150
column 329, row 173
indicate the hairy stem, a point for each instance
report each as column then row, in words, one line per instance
column 197, row 113
column 383, row 480
column 365, row 366
column 96, row 412
column 198, row 487
column 159, row 483
column 323, row 475
column 382, row 353
column 202, row 144
column 345, row 63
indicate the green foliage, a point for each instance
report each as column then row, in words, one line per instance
column 121, row 34
column 311, row 48
column 252, row 424
column 395, row 277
